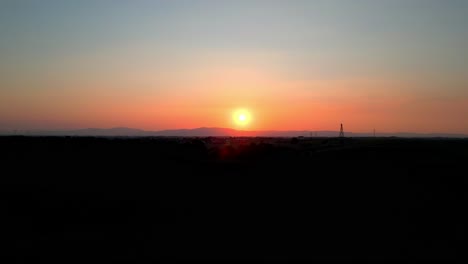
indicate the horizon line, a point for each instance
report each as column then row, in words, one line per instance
column 370, row 132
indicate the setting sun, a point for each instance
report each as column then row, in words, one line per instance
column 241, row 117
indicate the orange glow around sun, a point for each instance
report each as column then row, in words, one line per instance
column 241, row 117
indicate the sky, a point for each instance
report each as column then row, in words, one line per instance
column 391, row 65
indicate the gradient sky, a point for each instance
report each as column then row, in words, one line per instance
column 305, row 65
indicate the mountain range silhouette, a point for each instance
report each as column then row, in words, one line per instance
column 218, row 132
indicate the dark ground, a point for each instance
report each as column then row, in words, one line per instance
column 77, row 199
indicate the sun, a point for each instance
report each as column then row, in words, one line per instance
column 241, row 117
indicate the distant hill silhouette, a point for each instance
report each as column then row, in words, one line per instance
column 217, row 132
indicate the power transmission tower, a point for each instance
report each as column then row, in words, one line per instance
column 341, row 131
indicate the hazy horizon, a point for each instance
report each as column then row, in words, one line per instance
column 396, row 66
column 220, row 131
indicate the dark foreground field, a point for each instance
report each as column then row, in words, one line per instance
column 148, row 199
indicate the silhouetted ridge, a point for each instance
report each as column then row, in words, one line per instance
column 220, row 132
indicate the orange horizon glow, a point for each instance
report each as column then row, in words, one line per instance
column 314, row 105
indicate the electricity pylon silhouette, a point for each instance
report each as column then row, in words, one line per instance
column 341, row 131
